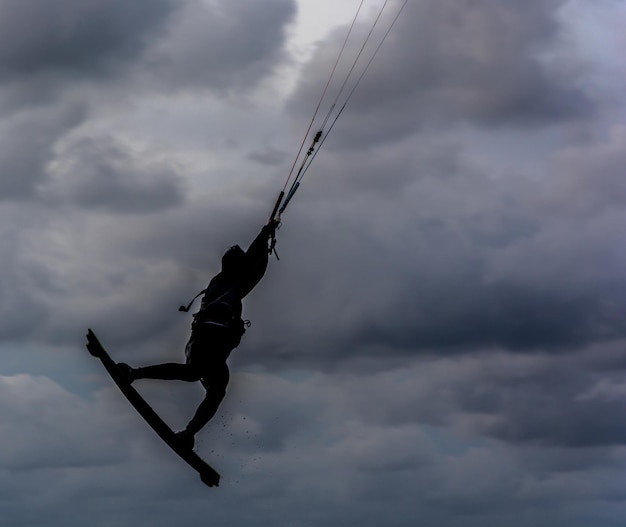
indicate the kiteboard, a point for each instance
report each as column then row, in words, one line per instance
column 208, row 475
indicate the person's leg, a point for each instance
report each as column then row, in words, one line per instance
column 215, row 382
column 169, row 371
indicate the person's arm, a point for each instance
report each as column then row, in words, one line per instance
column 259, row 248
column 257, row 257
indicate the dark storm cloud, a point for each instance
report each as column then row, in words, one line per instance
column 532, row 401
column 555, row 402
column 387, row 411
column 48, row 49
column 442, row 340
column 225, row 46
column 102, row 173
column 548, row 420
column 79, row 38
column 446, row 61
column 452, row 258
column 517, row 295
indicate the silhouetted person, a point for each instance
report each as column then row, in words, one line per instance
column 216, row 330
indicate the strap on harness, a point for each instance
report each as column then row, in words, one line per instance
column 185, row 309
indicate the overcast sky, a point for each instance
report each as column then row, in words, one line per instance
column 443, row 341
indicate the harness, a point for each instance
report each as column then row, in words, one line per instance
column 217, row 313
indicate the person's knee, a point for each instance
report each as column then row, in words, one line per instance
column 218, row 392
column 215, row 379
column 214, row 391
column 192, row 374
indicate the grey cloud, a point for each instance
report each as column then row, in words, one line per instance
column 558, row 404
column 478, row 262
column 530, row 401
column 516, row 296
column 269, row 157
column 17, row 286
column 133, row 301
column 453, row 260
column 539, row 403
column 474, row 61
column 27, row 140
column 441, row 342
column 152, row 46
column 36, row 407
column 100, row 172
column 17, row 298
column 122, row 272
column 80, row 38
column 348, row 441
column 543, row 422
column 434, row 465
column 588, row 178
column 224, row 46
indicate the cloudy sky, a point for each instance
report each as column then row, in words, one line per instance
column 443, row 340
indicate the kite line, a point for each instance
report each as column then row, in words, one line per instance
column 321, row 133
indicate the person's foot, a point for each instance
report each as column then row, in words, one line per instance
column 186, row 439
column 127, row 372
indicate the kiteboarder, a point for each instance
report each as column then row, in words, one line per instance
column 216, row 330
